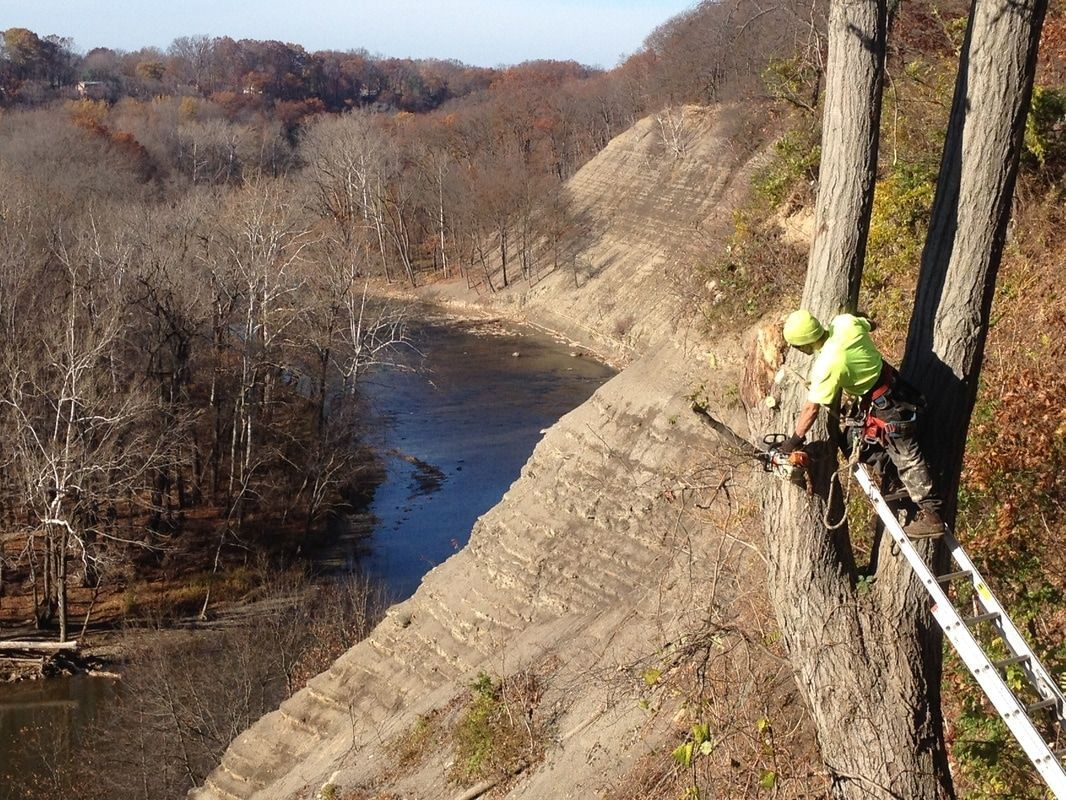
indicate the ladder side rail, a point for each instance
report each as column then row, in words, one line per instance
column 1003, row 699
column 1037, row 674
column 921, row 569
column 1039, row 677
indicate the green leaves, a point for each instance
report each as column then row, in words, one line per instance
column 1044, row 139
column 698, row 743
column 683, row 754
column 701, row 734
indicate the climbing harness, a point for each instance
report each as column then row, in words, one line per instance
column 891, row 396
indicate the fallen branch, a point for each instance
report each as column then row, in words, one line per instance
column 479, row 789
column 13, row 646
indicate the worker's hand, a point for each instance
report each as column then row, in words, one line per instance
column 791, row 444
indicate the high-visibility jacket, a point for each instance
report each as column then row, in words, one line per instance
column 847, row 360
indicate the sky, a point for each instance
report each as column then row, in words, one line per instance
column 477, row 32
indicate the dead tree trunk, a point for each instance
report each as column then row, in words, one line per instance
column 18, row 646
column 503, row 250
column 61, row 581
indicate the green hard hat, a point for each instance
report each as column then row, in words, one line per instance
column 801, row 327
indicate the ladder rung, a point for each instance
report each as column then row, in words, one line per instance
column 950, row 576
column 1050, row 702
column 986, row 617
column 1008, row 662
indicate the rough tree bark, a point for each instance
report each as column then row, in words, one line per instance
column 945, row 344
column 856, row 654
column 869, row 664
column 851, row 124
column 967, row 230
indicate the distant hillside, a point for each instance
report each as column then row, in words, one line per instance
column 651, row 213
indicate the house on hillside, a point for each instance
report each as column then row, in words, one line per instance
column 94, row 90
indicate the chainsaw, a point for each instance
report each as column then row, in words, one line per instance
column 786, row 466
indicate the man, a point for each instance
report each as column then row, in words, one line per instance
column 845, row 358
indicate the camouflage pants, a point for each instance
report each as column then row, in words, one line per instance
column 901, row 447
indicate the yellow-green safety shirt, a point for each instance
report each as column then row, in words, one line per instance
column 847, row 360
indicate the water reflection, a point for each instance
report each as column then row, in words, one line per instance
column 457, row 435
column 39, row 718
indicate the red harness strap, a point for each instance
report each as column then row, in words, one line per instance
column 874, row 430
column 884, row 382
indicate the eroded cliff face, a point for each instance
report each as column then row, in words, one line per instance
column 650, row 218
column 622, row 568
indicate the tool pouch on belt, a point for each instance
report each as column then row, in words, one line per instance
column 892, row 408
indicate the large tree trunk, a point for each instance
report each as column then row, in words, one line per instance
column 945, row 344
column 947, row 334
column 856, row 655
column 850, row 133
column 870, row 665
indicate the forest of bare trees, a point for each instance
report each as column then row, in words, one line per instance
column 192, row 249
column 186, row 694
column 169, row 367
column 189, row 244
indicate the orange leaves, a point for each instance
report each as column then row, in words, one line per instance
column 540, row 74
column 88, row 114
column 1022, row 436
column 1014, row 480
column 1053, row 48
column 545, row 124
column 92, row 116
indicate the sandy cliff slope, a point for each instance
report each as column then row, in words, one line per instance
column 649, row 218
column 625, row 550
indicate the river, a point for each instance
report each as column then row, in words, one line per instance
column 455, row 428
column 456, row 433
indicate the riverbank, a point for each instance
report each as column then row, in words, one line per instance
column 182, row 685
column 454, row 301
column 110, row 621
column 171, row 590
column 452, row 436
column 457, row 432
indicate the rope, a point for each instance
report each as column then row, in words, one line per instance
column 853, row 459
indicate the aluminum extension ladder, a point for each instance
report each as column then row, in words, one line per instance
column 988, row 672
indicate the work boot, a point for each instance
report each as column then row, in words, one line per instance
column 928, row 525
